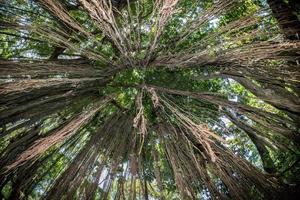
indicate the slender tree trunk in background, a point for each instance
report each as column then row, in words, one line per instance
column 268, row 163
column 146, row 195
column 287, row 19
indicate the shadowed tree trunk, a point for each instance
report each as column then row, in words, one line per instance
column 287, row 19
column 258, row 141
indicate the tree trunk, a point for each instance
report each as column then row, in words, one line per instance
column 276, row 96
column 268, row 163
column 287, row 19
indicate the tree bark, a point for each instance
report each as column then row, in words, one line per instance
column 275, row 95
column 287, row 19
column 268, row 163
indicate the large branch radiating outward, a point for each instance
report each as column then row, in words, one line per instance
column 46, row 69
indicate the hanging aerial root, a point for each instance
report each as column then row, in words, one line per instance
column 27, row 85
column 43, row 144
column 41, row 69
column 205, row 155
column 164, row 9
column 245, row 56
column 107, row 141
column 282, row 126
column 61, row 13
column 102, row 12
column 139, row 122
column 199, row 132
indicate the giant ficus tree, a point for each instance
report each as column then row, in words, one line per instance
column 149, row 99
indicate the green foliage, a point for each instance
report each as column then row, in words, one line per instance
column 123, row 87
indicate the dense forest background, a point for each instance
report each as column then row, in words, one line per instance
column 149, row 99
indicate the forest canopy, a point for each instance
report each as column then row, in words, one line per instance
column 149, row 99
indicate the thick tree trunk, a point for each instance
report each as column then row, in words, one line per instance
column 287, row 19
column 276, row 96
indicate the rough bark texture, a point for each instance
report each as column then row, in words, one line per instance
column 128, row 120
column 287, row 19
